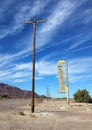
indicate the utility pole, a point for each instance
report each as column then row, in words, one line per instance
column 48, row 94
column 33, row 22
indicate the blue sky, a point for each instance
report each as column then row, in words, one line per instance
column 67, row 34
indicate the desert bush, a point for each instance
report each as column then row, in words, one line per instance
column 21, row 113
column 4, row 96
column 82, row 96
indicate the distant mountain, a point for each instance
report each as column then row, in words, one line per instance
column 15, row 92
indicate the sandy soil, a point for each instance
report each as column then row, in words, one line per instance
column 16, row 114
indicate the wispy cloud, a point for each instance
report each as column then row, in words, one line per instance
column 82, row 39
column 82, row 48
column 27, row 9
column 24, row 11
column 11, row 70
column 23, row 66
column 46, row 68
column 80, row 69
column 20, row 72
column 87, row 17
column 60, row 13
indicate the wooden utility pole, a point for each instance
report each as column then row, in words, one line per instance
column 33, row 22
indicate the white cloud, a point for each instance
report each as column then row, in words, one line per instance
column 3, row 73
column 23, row 66
column 14, row 73
column 59, row 14
column 17, row 80
column 9, row 59
column 87, row 16
column 82, row 48
column 23, row 71
column 21, row 74
column 81, row 39
column 80, row 69
column 46, row 68
column 23, row 11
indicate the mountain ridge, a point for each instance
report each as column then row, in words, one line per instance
column 15, row 92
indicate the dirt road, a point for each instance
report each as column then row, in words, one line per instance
column 49, row 115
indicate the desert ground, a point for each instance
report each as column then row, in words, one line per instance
column 15, row 114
